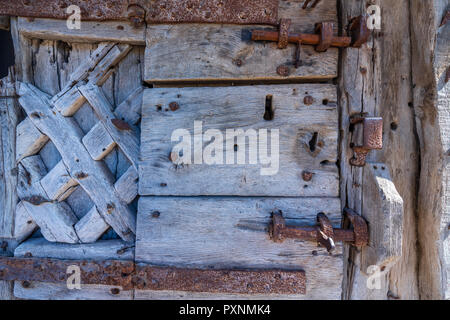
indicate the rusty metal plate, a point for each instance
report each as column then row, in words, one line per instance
column 145, row 277
column 160, row 11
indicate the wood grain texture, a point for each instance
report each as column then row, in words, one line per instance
column 243, row 108
column 376, row 79
column 195, row 52
column 58, row 184
column 9, row 118
column 431, row 59
column 29, row 140
column 52, row 29
column 98, row 142
column 91, row 227
column 96, row 179
column 232, row 233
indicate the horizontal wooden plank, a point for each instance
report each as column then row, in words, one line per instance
column 232, row 233
column 90, row 31
column 193, row 52
column 101, row 250
column 307, row 141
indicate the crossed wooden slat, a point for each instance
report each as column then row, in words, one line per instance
column 49, row 118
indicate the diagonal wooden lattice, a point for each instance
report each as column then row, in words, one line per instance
column 43, row 193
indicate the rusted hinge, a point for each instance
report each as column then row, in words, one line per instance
column 323, row 233
column 372, row 138
column 161, row 11
column 129, row 275
column 323, row 39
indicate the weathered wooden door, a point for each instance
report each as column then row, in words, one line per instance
column 217, row 161
column 173, row 145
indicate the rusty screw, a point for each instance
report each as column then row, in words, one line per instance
column 307, row 176
column 308, row 100
column 173, row 106
column 283, row 71
column 136, row 15
column 26, row 284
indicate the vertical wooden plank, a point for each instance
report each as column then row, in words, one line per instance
column 431, row 61
column 376, row 79
column 9, row 118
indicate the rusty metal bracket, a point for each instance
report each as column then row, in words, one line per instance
column 128, row 275
column 152, row 12
column 323, row 233
column 372, row 138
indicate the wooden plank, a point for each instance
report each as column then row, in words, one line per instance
column 127, row 185
column 56, row 220
column 430, row 55
column 24, row 224
column 31, row 171
column 93, row 176
column 232, row 233
column 29, row 140
column 130, row 109
column 101, row 250
column 307, row 141
column 9, row 118
column 52, row 29
column 193, row 52
column 376, row 80
column 98, row 142
column 91, row 226
column 58, row 184
column 127, row 140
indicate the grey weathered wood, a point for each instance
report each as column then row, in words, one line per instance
column 29, row 140
column 84, row 69
column 70, row 102
column 376, row 79
column 30, row 172
column 93, row 176
column 430, row 56
column 52, row 29
column 232, row 233
column 127, row 140
column 98, row 142
column 383, row 210
column 58, row 184
column 9, row 118
column 196, row 52
column 130, row 109
column 56, row 220
column 101, row 250
column 91, row 226
column 127, row 185
column 241, row 108
column 24, row 224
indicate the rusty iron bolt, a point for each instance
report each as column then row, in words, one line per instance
column 308, row 100
column 174, row 106
column 136, row 15
column 307, row 176
column 283, row 70
column 238, row 62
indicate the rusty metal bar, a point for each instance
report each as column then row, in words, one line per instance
column 161, row 11
column 304, row 38
column 128, row 275
column 324, row 233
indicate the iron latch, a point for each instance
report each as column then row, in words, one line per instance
column 324, row 233
column 372, row 138
column 323, row 39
